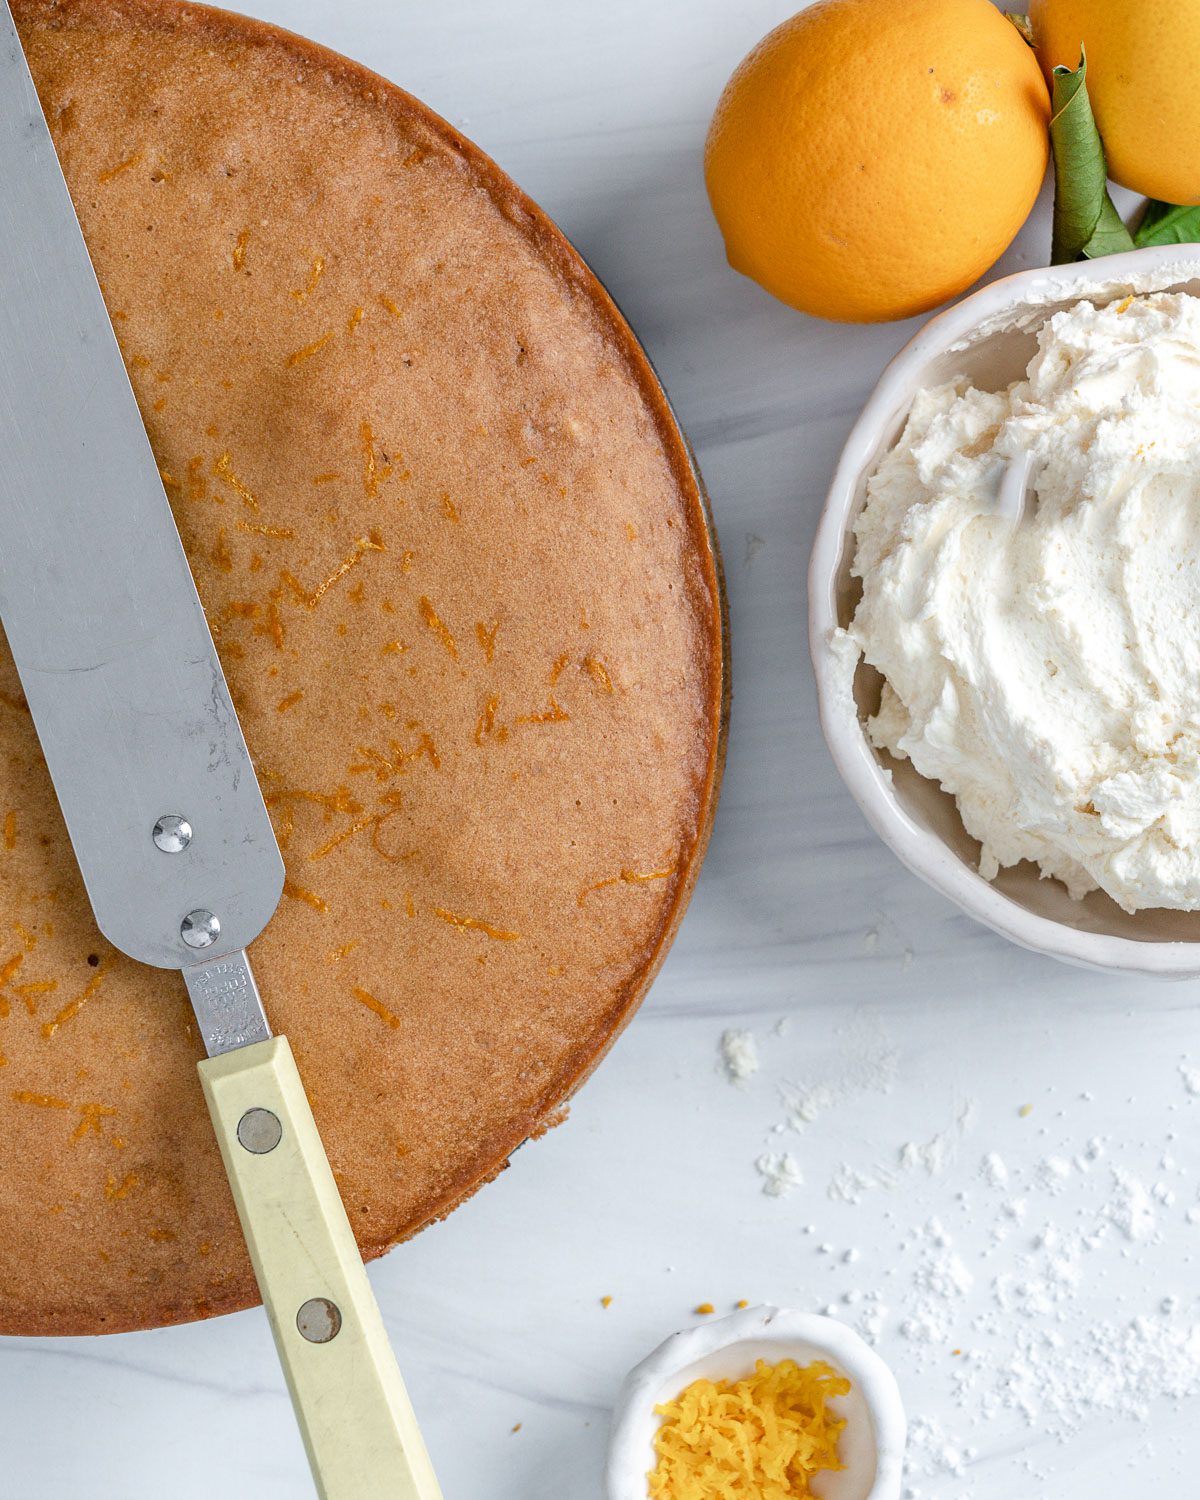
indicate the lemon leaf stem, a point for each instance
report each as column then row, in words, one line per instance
column 1086, row 223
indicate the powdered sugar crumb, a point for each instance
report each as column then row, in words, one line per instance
column 739, row 1053
column 780, row 1172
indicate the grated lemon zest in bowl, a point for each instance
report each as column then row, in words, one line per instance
column 761, row 1438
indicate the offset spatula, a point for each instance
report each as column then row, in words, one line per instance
column 158, row 792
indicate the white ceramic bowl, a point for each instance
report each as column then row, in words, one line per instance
column 989, row 337
column 871, row 1446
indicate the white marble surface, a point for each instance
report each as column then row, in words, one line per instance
column 649, row 1193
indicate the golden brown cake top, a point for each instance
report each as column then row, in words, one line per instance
column 461, row 581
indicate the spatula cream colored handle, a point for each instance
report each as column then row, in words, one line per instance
column 359, row 1429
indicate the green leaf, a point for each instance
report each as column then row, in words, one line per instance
column 1168, row 224
column 1086, row 224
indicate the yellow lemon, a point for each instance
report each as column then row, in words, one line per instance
column 1143, row 61
column 871, row 158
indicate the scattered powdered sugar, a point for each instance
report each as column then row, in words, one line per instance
column 1191, row 1077
column 1130, row 1208
column 868, row 1065
column 939, row 1281
column 994, row 1170
column 937, row 1153
column 932, row 1453
column 780, row 1172
column 1029, row 1302
column 849, row 1183
column 739, row 1053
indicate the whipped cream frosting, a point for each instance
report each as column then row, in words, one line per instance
column 1046, row 670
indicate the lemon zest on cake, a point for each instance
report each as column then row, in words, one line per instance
column 372, row 542
column 364, row 997
column 310, row 898
column 43, row 1101
column 223, row 467
column 598, row 672
column 114, row 1191
column 280, row 533
column 298, row 356
column 766, row 1435
column 73, row 1007
column 121, row 166
column 302, row 294
column 374, row 472
column 438, row 626
column 553, row 713
column 476, row 924
column 340, row 838
column 90, row 1116
column 626, row 877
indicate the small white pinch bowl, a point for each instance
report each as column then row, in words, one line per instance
column 989, row 337
column 872, row 1443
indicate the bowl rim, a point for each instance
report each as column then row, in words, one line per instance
column 923, row 851
column 837, row 1341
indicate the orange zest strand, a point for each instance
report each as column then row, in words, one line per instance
column 298, row 893
column 554, row 714
column 239, row 249
column 333, row 802
column 598, row 672
column 340, row 838
column 73, row 1007
column 373, row 542
column 114, row 1191
column 396, row 804
column 90, row 1116
column 298, row 356
column 364, row 997
column 224, row 469
column 10, row 830
column 43, row 1101
column 626, row 877
column 289, row 702
column 30, row 992
column 486, row 636
column 485, row 727
column 397, row 757
column 314, row 276
column 354, row 319
column 438, row 626
column 279, row 533
column 374, row 472
column 475, row 924
column 121, row 166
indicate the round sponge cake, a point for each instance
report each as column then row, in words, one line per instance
column 461, row 578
